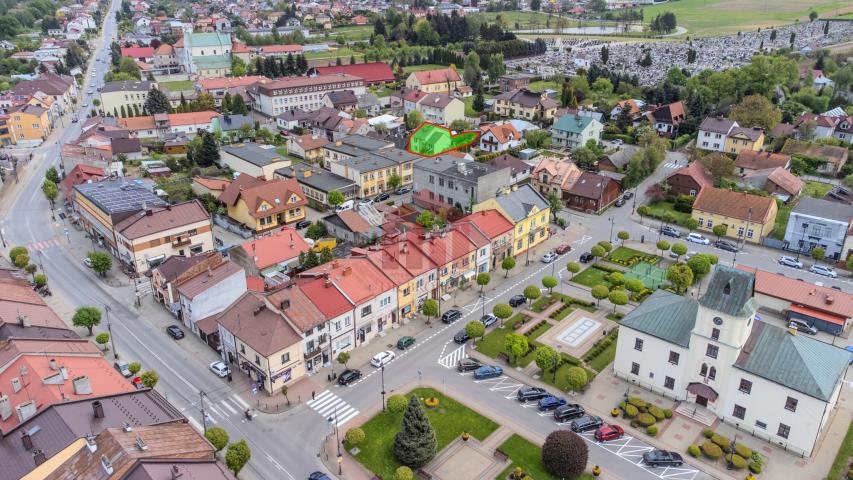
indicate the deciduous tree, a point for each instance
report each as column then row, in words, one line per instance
column 599, row 292
column 550, row 282
column 564, row 454
column 573, row 268
column 237, row 456
column 217, row 436
column 149, row 378
column 532, row 292
column 502, row 311
column 756, row 111
column 475, row 329
column 618, row 297
column 516, row 345
column 680, row 276
column 507, row 264
column 623, row 235
column 429, row 309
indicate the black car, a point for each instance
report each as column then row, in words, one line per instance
column 381, row 197
column 302, row 224
column 529, row 394
column 568, row 412
column 662, row 458
column 724, row 245
column 620, row 202
column 175, row 332
column 461, row 337
column 670, row 232
column 586, row 424
column 318, row 476
column 586, row 257
column 348, row 376
column 451, row 316
column 467, row 365
column 517, row 300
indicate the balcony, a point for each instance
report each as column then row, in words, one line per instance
column 180, row 242
column 312, row 353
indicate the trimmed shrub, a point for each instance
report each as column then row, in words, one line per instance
column 657, row 413
column 738, row 462
column 721, row 440
column 652, row 430
column 667, row 413
column 630, row 411
column 621, row 405
column 354, row 436
column 743, row 450
column 693, row 450
column 645, row 419
column 637, row 402
column 708, row 433
column 755, row 467
column 712, row 450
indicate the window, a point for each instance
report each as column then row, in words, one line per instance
column 673, row 357
column 739, row 231
column 710, row 223
column 242, row 348
column 739, row 412
column 257, row 359
column 347, row 321
column 407, row 291
column 669, row 383
column 712, row 351
column 701, row 222
column 749, row 233
column 285, row 357
column 791, row 404
column 761, row 425
column 712, row 373
column 365, row 311
column 703, row 370
column 745, row 386
column 784, row 430
column 338, row 326
column 635, row 368
column 715, row 334
column 638, row 344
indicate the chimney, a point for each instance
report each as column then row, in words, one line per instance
column 176, row 474
column 149, row 212
column 82, row 386
column 39, row 457
column 140, row 443
column 25, row 321
column 64, row 372
column 26, row 440
column 347, row 270
column 98, row 409
column 285, row 304
column 53, row 365
column 5, row 407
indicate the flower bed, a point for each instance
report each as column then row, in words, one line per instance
column 718, row 447
column 644, row 415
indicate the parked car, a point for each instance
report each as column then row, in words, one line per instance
column 849, row 348
column 628, row 195
column 697, row 238
column 302, row 224
column 489, row 320
column 122, row 367
column 461, row 336
column 550, row 403
column 348, row 205
column 823, row 270
column 348, row 376
column 85, row 105
column 451, row 316
column 405, row 342
column 620, row 202
column 381, row 197
column 488, row 371
column 801, row 326
column 790, row 262
column 609, row 432
column 467, row 365
column 568, row 412
column 662, row 458
column 88, row 262
column 724, row 245
column 669, row 231
column 318, row 476
column 402, row 190
column 586, row 257
column 529, row 394
column 586, row 423
column 382, row 358
column 366, row 201
column 563, row 249
column 549, row 257
column 220, row 369
column 517, row 300
column 175, row 332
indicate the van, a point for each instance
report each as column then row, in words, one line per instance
column 345, row 206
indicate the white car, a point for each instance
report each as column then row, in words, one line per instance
column 382, row 358
column 790, row 262
column 88, row 262
column 220, row 369
column 696, row 238
column 822, row 270
column 549, row 257
column 85, row 105
column 94, row 74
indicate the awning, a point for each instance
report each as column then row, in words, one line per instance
column 810, row 312
column 469, row 274
column 702, row 390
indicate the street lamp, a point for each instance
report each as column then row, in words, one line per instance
column 3, row 233
column 110, row 330
column 382, row 371
column 799, row 250
column 611, row 230
column 334, row 419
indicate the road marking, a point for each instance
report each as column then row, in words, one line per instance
column 451, row 359
column 239, row 401
column 583, row 240
column 327, row 404
column 225, row 405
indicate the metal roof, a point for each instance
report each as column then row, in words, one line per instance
column 730, row 291
column 665, row 315
column 118, row 196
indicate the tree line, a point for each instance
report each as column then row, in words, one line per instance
column 274, row 67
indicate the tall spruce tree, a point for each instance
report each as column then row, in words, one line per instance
column 226, row 104
column 157, row 102
column 208, row 152
column 238, row 106
column 415, row 444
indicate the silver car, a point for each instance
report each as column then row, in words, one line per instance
column 220, row 369
column 790, row 262
column 823, row 270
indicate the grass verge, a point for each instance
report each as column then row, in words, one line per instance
column 591, row 277
column 838, row 470
column 527, row 455
column 178, row 85
column 605, row 358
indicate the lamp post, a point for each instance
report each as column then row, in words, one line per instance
column 382, row 372
column 799, row 250
column 333, row 420
column 611, row 230
column 3, row 233
column 110, row 330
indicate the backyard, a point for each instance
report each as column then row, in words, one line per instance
column 657, row 210
column 527, row 455
column 449, row 420
column 177, row 86
column 812, row 189
column 420, row 68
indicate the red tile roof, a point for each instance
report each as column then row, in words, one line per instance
column 733, row 204
column 137, row 52
column 440, row 75
column 375, row 72
column 79, row 174
column 325, row 296
column 161, row 219
column 697, row 172
column 230, row 82
column 214, row 184
column 281, row 246
column 443, row 249
column 268, row 49
column 410, row 257
column 750, row 159
column 357, row 278
column 490, row 222
column 823, row 299
column 255, row 284
column 502, row 132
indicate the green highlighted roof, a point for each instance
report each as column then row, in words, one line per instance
column 430, row 140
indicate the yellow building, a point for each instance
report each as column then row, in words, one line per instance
column 525, row 104
column 372, row 171
column 30, row 124
column 741, row 138
column 6, row 137
column 747, row 217
column 262, row 205
column 528, row 211
column 441, row 80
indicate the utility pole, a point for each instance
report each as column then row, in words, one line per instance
column 203, row 415
column 110, row 330
column 382, row 370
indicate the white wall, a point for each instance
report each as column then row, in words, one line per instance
column 381, row 306
column 653, row 361
column 214, row 300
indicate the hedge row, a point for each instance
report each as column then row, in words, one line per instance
column 600, row 345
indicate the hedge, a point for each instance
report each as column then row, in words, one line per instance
column 693, row 450
column 631, row 411
column 724, row 442
column 736, row 460
column 645, row 419
column 667, row 413
column 708, row 433
column 652, row 430
column 712, row 450
column 656, row 412
column 743, row 450
column 755, row 467
column 637, row 402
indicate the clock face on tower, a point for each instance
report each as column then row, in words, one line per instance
column 718, row 321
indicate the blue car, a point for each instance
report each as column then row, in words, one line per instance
column 550, row 403
column 850, row 349
column 488, row 371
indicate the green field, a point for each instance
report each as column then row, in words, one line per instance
column 420, row 68
column 527, row 455
column 542, row 85
column 177, row 86
column 333, row 54
column 721, row 17
column 527, row 19
column 591, row 277
column 353, row 32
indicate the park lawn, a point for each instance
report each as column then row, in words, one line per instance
column 527, row 455
column 493, row 342
column 344, row 52
column 420, row 68
column 562, row 384
column 449, row 420
column 721, row 17
column 838, row 470
column 353, row 32
column 525, row 19
column 178, row 85
column 658, row 209
column 603, row 359
column 542, row 85
column 381, row 91
column 591, row 277
column 624, row 254
column 816, row 189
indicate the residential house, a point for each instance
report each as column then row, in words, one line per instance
column 209, row 185
column 166, row 59
column 29, row 125
column 525, row 104
column 81, row 173
column 219, row 86
column 373, row 73
column 750, row 161
column 125, row 98
column 272, row 256
column 6, row 137
column 482, row 243
column 713, row 133
column 370, row 171
column 453, row 254
column 810, row 126
column 496, row 228
column 344, row 101
column 352, row 146
column 779, row 182
column 664, row 119
column 279, row 50
column 388, row 260
column 635, row 106
column 259, row 161
column 555, row 175
column 716, row 358
column 741, row 138
column 174, row 270
column 206, row 294
column 747, row 217
column 308, row 147
column 62, row 89
column 439, row 108
column 278, row 96
column 161, row 125
column 440, row 80
column 351, row 227
column 814, row 222
column 446, row 181
column 617, row 161
column 292, row 119
column 528, row 211
column 689, row 180
column 519, row 170
column 499, row 138
column 835, row 157
column 311, row 323
column 262, row 205
column 339, row 313
column 423, row 271
column 317, row 182
column 571, row 131
column 514, row 81
column 844, row 129
column 143, row 54
column 592, row 192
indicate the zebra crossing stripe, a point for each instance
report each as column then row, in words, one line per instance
column 348, row 417
column 327, row 405
column 239, row 401
column 450, row 360
column 319, row 398
column 225, row 405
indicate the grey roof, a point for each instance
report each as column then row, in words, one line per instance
column 365, row 143
column 397, row 155
column 233, row 122
column 448, row 165
column 665, row 315
column 319, row 178
column 816, row 207
column 716, row 125
column 118, row 196
column 518, row 203
column 797, row 362
column 127, row 86
column 342, row 97
column 367, row 162
column 254, row 153
column 436, row 100
column 730, row 291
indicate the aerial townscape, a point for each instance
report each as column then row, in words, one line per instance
column 426, row 239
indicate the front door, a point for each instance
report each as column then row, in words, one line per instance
column 700, row 400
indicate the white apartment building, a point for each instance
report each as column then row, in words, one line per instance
column 305, row 93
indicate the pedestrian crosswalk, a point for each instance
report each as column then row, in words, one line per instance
column 671, row 165
column 45, row 245
column 329, row 405
column 451, row 359
column 218, row 410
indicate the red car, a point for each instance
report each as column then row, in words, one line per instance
column 563, row 249
column 609, row 432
